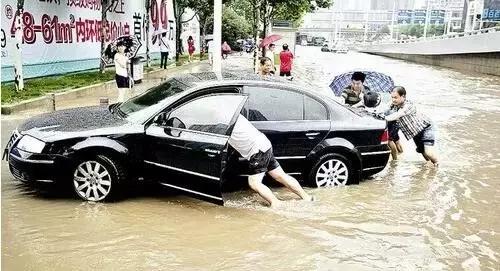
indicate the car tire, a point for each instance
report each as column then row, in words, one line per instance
column 331, row 170
column 98, row 178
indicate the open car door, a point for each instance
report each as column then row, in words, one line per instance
column 187, row 146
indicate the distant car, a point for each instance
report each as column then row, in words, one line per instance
column 176, row 134
column 340, row 49
column 325, row 48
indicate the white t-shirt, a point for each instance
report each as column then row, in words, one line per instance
column 270, row 55
column 247, row 140
column 210, row 45
column 121, row 64
column 164, row 46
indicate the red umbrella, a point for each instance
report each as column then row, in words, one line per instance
column 269, row 39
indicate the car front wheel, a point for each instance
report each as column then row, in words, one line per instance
column 331, row 170
column 98, row 178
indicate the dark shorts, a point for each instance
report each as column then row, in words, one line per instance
column 262, row 162
column 424, row 138
column 121, row 81
column 288, row 73
column 393, row 128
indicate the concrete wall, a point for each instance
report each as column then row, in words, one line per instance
column 487, row 63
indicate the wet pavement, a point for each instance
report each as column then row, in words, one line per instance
column 411, row 216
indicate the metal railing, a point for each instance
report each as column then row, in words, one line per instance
column 441, row 37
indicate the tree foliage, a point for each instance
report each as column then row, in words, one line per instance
column 417, row 30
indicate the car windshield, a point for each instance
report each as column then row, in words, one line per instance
column 142, row 106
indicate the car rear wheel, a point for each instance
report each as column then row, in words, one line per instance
column 331, row 170
column 98, row 178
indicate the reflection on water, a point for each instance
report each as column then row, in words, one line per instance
column 411, row 216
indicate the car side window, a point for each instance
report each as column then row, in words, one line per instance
column 210, row 114
column 269, row 104
column 314, row 110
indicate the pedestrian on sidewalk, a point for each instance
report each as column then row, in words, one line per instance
column 122, row 74
column 191, row 48
column 270, row 54
column 265, row 69
column 226, row 50
column 413, row 124
column 211, row 48
column 164, row 50
column 286, row 61
column 257, row 150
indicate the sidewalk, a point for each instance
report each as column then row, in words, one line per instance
column 90, row 95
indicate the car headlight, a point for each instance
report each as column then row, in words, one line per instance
column 30, row 144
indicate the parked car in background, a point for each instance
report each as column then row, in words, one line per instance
column 325, row 48
column 176, row 134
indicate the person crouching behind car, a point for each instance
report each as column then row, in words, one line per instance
column 353, row 94
column 256, row 148
column 413, row 124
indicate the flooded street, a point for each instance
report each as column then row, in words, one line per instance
column 411, row 216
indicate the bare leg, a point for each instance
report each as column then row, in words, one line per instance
column 290, row 182
column 399, row 146
column 394, row 150
column 255, row 182
column 430, row 153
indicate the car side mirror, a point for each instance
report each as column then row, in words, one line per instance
column 175, row 123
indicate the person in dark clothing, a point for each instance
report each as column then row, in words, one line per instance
column 164, row 50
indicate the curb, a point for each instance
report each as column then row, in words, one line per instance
column 50, row 100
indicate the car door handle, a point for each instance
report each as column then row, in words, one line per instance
column 312, row 134
column 212, row 151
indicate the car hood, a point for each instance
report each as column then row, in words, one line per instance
column 77, row 122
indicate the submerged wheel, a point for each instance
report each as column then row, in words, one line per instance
column 331, row 170
column 98, row 178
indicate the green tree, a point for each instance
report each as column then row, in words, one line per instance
column 234, row 27
column 384, row 30
column 180, row 7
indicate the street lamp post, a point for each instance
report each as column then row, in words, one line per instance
column 217, row 54
column 427, row 15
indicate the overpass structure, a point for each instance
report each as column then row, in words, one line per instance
column 475, row 51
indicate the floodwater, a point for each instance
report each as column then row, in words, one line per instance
column 411, row 216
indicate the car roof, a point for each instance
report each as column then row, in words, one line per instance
column 200, row 80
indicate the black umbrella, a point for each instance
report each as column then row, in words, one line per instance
column 132, row 46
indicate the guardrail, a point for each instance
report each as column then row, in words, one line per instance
column 442, row 37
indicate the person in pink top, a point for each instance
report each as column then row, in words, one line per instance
column 190, row 48
column 286, row 59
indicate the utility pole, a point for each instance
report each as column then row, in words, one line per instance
column 474, row 4
column 217, row 54
column 366, row 25
column 392, row 19
column 427, row 15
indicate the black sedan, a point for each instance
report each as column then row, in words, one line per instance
column 176, row 133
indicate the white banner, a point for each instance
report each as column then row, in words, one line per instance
column 65, row 35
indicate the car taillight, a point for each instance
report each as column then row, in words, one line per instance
column 384, row 138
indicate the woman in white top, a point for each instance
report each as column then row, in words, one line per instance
column 121, row 77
